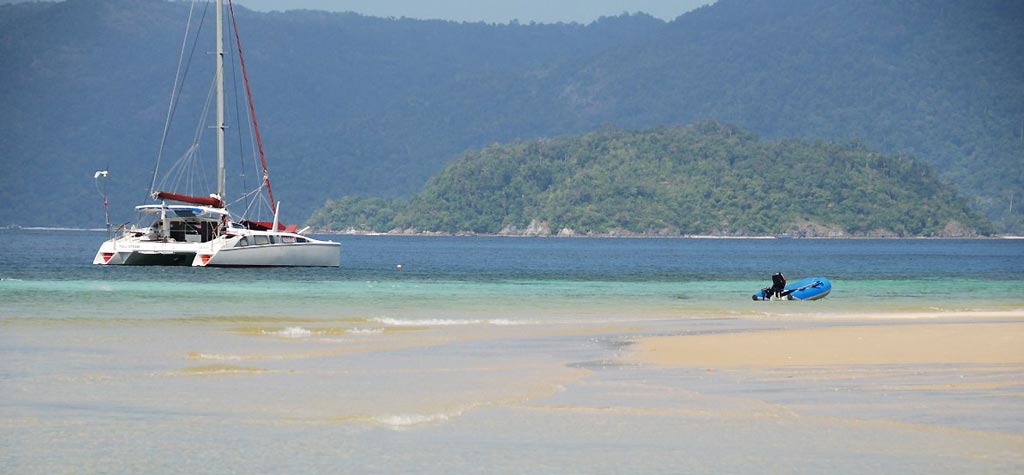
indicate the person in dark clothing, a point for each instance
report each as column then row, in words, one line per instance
column 778, row 286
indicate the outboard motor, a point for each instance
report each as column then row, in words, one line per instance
column 778, row 286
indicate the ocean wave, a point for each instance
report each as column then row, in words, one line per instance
column 366, row 331
column 291, row 332
column 220, row 369
column 195, row 355
column 408, row 420
column 440, row 322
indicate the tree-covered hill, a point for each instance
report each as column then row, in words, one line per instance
column 939, row 80
column 353, row 105
column 704, row 179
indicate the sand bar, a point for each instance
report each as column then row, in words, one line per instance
column 936, row 343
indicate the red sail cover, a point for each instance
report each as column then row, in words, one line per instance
column 266, row 225
column 196, row 200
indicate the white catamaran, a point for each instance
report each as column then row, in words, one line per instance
column 202, row 232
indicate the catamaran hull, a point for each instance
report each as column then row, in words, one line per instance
column 147, row 253
column 275, row 255
column 316, row 254
column 174, row 259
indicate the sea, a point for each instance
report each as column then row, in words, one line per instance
column 427, row 354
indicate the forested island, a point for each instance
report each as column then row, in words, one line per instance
column 705, row 179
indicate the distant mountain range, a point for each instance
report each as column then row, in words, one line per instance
column 353, row 105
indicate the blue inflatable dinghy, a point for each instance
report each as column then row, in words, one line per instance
column 811, row 288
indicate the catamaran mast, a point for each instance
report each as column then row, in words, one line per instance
column 220, row 100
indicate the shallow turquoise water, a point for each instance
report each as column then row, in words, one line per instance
column 48, row 274
column 550, row 301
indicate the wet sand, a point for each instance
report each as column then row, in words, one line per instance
column 870, row 343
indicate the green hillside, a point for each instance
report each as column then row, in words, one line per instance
column 704, row 179
column 353, row 105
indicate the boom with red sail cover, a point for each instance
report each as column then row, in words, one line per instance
column 211, row 200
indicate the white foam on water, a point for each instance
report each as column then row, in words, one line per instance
column 399, row 421
column 439, row 322
column 398, row 322
column 366, row 331
column 505, row 321
column 215, row 357
column 291, row 332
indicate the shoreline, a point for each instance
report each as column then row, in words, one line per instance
column 655, row 236
column 612, row 235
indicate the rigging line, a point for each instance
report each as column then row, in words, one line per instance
column 185, row 169
column 179, row 81
column 251, row 136
column 254, row 153
column 253, row 150
column 171, row 102
column 188, row 159
column 238, row 115
column 177, row 175
column 258, row 202
column 245, row 196
column 252, row 107
column 201, row 127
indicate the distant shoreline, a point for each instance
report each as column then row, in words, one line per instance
column 48, row 228
column 642, row 236
column 555, row 236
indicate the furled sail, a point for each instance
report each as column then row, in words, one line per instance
column 212, row 200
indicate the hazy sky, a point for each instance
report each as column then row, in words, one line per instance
column 491, row 11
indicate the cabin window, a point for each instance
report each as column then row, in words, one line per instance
column 301, row 239
column 242, row 242
column 260, row 240
column 208, row 230
column 179, row 230
column 288, row 239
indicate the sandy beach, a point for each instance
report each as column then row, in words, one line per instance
column 874, row 343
